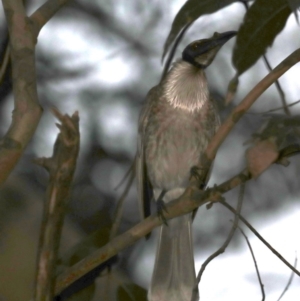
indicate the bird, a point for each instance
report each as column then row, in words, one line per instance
column 176, row 123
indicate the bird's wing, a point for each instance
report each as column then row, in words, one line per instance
column 143, row 184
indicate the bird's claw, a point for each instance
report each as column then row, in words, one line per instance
column 213, row 191
column 196, row 173
column 161, row 207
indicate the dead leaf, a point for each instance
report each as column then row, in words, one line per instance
column 261, row 156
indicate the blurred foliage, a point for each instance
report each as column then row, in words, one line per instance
column 285, row 130
column 131, row 292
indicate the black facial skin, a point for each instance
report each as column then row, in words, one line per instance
column 201, row 47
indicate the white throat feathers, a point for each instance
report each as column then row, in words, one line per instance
column 185, row 87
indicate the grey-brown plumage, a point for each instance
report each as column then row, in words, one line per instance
column 175, row 127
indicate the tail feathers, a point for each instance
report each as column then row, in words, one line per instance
column 174, row 277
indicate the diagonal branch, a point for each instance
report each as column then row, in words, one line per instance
column 289, row 281
column 255, row 264
column 260, row 237
column 248, row 101
column 189, row 201
column 241, row 109
column 223, row 248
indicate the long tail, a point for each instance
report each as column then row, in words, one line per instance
column 174, row 277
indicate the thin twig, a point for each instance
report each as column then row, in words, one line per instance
column 290, row 280
column 130, row 172
column 279, row 89
column 255, row 264
column 190, row 200
column 260, row 237
column 225, row 244
column 238, row 112
column 275, row 109
column 243, row 108
column 119, row 210
column 248, row 101
column 5, row 62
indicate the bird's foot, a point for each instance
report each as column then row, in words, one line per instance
column 196, row 173
column 161, row 207
column 214, row 194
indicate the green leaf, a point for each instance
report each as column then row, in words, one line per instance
column 263, row 21
column 191, row 11
column 131, row 292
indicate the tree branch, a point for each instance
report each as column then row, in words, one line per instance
column 240, row 110
column 27, row 112
column 289, row 281
column 191, row 199
column 223, row 248
column 260, row 238
column 61, row 167
column 248, row 101
column 255, row 264
column 44, row 13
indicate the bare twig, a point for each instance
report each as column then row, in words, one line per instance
column 289, row 281
column 119, row 209
column 4, row 63
column 61, row 167
column 190, row 200
column 260, row 237
column 255, row 264
column 130, row 172
column 275, row 109
column 117, row 244
column 279, row 89
column 287, row 152
column 225, row 244
column 242, row 108
column 248, row 101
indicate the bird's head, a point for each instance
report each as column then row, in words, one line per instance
column 201, row 53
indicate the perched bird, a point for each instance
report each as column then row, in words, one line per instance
column 175, row 127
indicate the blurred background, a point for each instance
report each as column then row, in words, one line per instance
column 101, row 58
